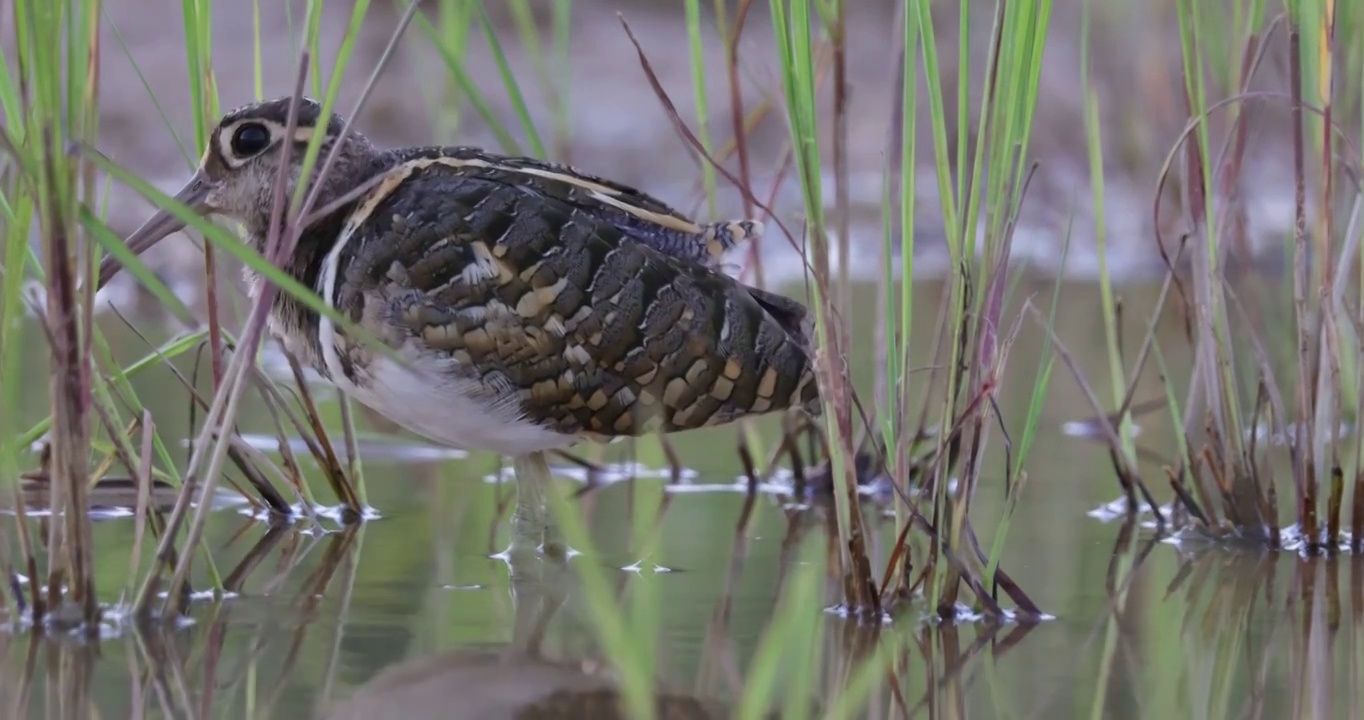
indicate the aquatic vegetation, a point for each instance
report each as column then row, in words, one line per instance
column 51, row 102
column 882, row 560
column 1258, row 422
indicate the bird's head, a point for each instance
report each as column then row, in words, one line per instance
column 238, row 172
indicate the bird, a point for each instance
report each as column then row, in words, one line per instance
column 505, row 682
column 526, row 306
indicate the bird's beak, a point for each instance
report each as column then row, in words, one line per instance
column 194, row 194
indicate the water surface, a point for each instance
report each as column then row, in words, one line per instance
column 415, row 612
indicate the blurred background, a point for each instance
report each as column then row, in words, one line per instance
column 599, row 112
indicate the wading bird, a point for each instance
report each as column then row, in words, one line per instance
column 527, row 306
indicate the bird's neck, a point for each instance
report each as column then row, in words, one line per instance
column 291, row 320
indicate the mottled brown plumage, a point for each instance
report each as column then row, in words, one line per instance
column 548, row 300
column 530, row 305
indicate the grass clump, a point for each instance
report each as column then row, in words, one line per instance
column 48, row 99
column 980, row 187
column 96, row 423
column 1270, row 411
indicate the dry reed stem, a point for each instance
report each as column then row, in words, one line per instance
column 69, row 383
column 326, row 454
column 226, row 399
column 144, row 487
column 1303, row 464
column 1250, row 501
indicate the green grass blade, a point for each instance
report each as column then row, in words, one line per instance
column 698, row 79
column 455, row 64
column 509, row 82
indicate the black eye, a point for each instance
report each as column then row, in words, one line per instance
column 250, row 139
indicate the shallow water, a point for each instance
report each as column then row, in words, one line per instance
column 413, row 612
column 416, row 614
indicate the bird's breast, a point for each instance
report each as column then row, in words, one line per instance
column 427, row 394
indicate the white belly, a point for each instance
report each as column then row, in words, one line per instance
column 444, row 409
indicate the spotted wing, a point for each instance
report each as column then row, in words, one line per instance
column 636, row 214
column 570, row 316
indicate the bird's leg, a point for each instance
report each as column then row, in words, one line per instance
column 532, row 525
column 538, row 590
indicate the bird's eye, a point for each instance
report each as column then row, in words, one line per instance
column 250, row 139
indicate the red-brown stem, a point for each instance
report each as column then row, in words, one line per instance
column 328, row 459
column 751, row 495
column 87, row 168
column 736, row 109
column 225, row 401
column 838, row 37
column 215, row 330
column 144, row 488
column 1229, row 176
column 1327, row 155
column 1327, row 317
column 1182, row 492
column 671, row 109
column 217, row 635
column 736, row 99
column 1357, row 516
column 1306, row 496
column 69, row 383
column 1333, row 505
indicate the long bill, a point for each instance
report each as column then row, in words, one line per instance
column 194, row 194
